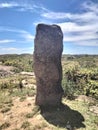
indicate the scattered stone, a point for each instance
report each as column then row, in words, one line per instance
column 68, row 126
column 85, row 98
column 94, row 109
column 27, row 73
column 4, row 73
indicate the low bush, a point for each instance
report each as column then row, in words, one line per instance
column 80, row 81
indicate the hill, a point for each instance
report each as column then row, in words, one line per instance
column 23, row 62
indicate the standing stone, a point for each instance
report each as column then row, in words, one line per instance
column 47, row 64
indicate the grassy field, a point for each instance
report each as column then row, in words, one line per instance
column 79, row 108
column 19, row 112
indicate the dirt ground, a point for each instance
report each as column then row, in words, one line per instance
column 6, row 68
column 18, row 119
column 17, row 115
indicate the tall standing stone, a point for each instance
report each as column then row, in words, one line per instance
column 47, row 64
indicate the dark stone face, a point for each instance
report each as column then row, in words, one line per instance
column 47, row 64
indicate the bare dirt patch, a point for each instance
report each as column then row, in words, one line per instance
column 16, row 117
column 6, row 68
column 25, row 115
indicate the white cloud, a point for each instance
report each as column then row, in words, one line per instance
column 20, row 6
column 27, row 37
column 84, row 17
column 13, row 50
column 81, row 37
column 24, row 35
column 8, row 5
column 90, row 6
column 9, row 49
column 74, row 32
column 80, row 34
column 88, row 43
column 13, row 30
column 81, row 29
column 6, row 41
column 91, row 13
column 74, row 27
column 24, row 6
column 55, row 15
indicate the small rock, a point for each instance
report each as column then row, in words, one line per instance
column 94, row 109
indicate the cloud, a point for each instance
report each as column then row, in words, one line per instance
column 55, row 15
column 9, row 29
column 8, row 5
column 9, row 49
column 80, row 37
column 6, row 41
column 75, row 27
column 24, row 6
column 14, row 50
column 90, row 13
column 20, row 42
column 80, row 28
column 74, row 32
column 83, row 17
column 91, row 43
column 27, row 36
column 90, row 6
column 20, row 6
column 23, row 35
column 84, row 35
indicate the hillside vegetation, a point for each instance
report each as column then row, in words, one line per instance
column 80, row 72
column 18, row 91
column 23, row 62
column 80, row 75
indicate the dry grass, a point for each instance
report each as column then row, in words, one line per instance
column 25, row 115
column 19, row 112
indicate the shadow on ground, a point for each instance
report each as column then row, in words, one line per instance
column 63, row 116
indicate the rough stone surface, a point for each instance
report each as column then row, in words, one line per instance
column 47, row 64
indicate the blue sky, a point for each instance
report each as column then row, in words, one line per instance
column 78, row 20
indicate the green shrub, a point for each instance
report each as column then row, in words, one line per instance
column 29, row 115
column 91, row 89
column 69, row 88
column 22, row 99
column 25, row 125
column 80, row 81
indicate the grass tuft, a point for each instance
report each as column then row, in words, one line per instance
column 6, row 109
column 4, row 125
column 25, row 125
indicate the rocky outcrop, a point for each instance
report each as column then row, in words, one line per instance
column 47, row 64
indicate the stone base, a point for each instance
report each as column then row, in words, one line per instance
column 48, row 100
